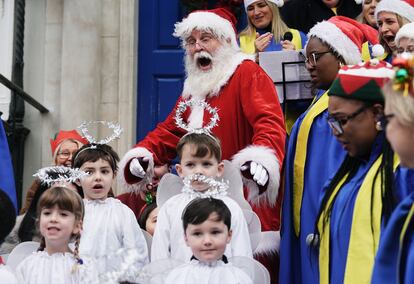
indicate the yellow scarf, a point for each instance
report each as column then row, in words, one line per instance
column 358, row 265
column 300, row 156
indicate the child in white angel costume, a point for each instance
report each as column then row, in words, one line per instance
column 111, row 233
column 200, row 166
column 60, row 213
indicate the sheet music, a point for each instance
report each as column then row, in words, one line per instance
column 271, row 62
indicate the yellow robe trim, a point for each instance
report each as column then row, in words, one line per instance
column 247, row 41
column 300, row 156
column 358, row 265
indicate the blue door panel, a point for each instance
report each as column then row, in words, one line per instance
column 160, row 63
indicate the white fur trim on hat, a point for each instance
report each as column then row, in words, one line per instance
column 269, row 243
column 206, row 21
column 138, row 152
column 278, row 3
column 267, row 158
column 358, row 1
column 332, row 35
column 406, row 31
column 399, row 7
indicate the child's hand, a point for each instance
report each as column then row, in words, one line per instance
column 139, row 166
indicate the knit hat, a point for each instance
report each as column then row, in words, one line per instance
column 404, row 8
column 406, row 31
column 346, row 37
column 278, row 3
column 64, row 135
column 363, row 81
column 219, row 21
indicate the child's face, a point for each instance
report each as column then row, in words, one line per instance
column 57, row 226
column 207, row 166
column 151, row 221
column 99, row 181
column 208, row 240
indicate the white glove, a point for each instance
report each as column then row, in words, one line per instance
column 258, row 172
column 136, row 168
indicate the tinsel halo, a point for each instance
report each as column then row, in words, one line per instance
column 50, row 175
column 182, row 106
column 117, row 131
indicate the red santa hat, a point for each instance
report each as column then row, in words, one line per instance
column 404, row 8
column 65, row 135
column 218, row 21
column 278, row 3
column 346, row 37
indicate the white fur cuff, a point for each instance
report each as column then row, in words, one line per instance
column 138, row 152
column 267, row 158
column 269, row 243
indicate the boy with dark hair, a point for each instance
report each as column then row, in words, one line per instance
column 207, row 227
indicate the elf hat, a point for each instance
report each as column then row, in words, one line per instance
column 404, row 8
column 406, row 31
column 278, row 3
column 363, row 81
column 65, row 135
column 218, row 21
column 346, row 37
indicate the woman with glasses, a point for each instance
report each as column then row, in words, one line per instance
column 395, row 259
column 65, row 144
column 359, row 198
column 313, row 154
column 405, row 39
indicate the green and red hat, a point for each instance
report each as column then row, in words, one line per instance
column 363, row 81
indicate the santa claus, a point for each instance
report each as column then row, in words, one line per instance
column 251, row 126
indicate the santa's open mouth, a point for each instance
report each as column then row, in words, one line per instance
column 204, row 63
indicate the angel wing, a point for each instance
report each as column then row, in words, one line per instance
column 156, row 271
column 254, row 269
column 20, row 252
column 235, row 190
column 169, row 186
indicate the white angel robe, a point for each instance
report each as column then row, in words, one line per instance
column 7, row 275
column 109, row 226
column 203, row 273
column 42, row 268
column 168, row 240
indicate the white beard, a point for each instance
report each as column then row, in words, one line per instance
column 200, row 84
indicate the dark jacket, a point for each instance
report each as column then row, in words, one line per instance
column 304, row 14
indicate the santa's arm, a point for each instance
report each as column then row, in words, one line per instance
column 262, row 109
column 157, row 148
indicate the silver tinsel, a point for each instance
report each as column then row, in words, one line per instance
column 215, row 188
column 182, row 106
column 117, row 131
column 50, row 175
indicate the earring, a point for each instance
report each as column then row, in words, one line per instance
column 378, row 126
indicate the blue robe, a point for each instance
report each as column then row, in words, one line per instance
column 276, row 46
column 343, row 211
column 394, row 264
column 298, row 261
column 6, row 168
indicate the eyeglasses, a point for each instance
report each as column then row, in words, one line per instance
column 337, row 123
column 203, row 42
column 384, row 120
column 314, row 57
column 65, row 154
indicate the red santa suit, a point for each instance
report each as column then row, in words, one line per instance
column 251, row 126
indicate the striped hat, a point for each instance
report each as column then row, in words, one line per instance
column 363, row 81
column 404, row 8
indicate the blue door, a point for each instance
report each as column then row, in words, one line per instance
column 160, row 63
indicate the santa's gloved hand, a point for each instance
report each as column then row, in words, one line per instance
column 255, row 171
column 139, row 166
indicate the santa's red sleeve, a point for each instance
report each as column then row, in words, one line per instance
column 262, row 109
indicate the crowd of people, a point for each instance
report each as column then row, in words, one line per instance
column 229, row 188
